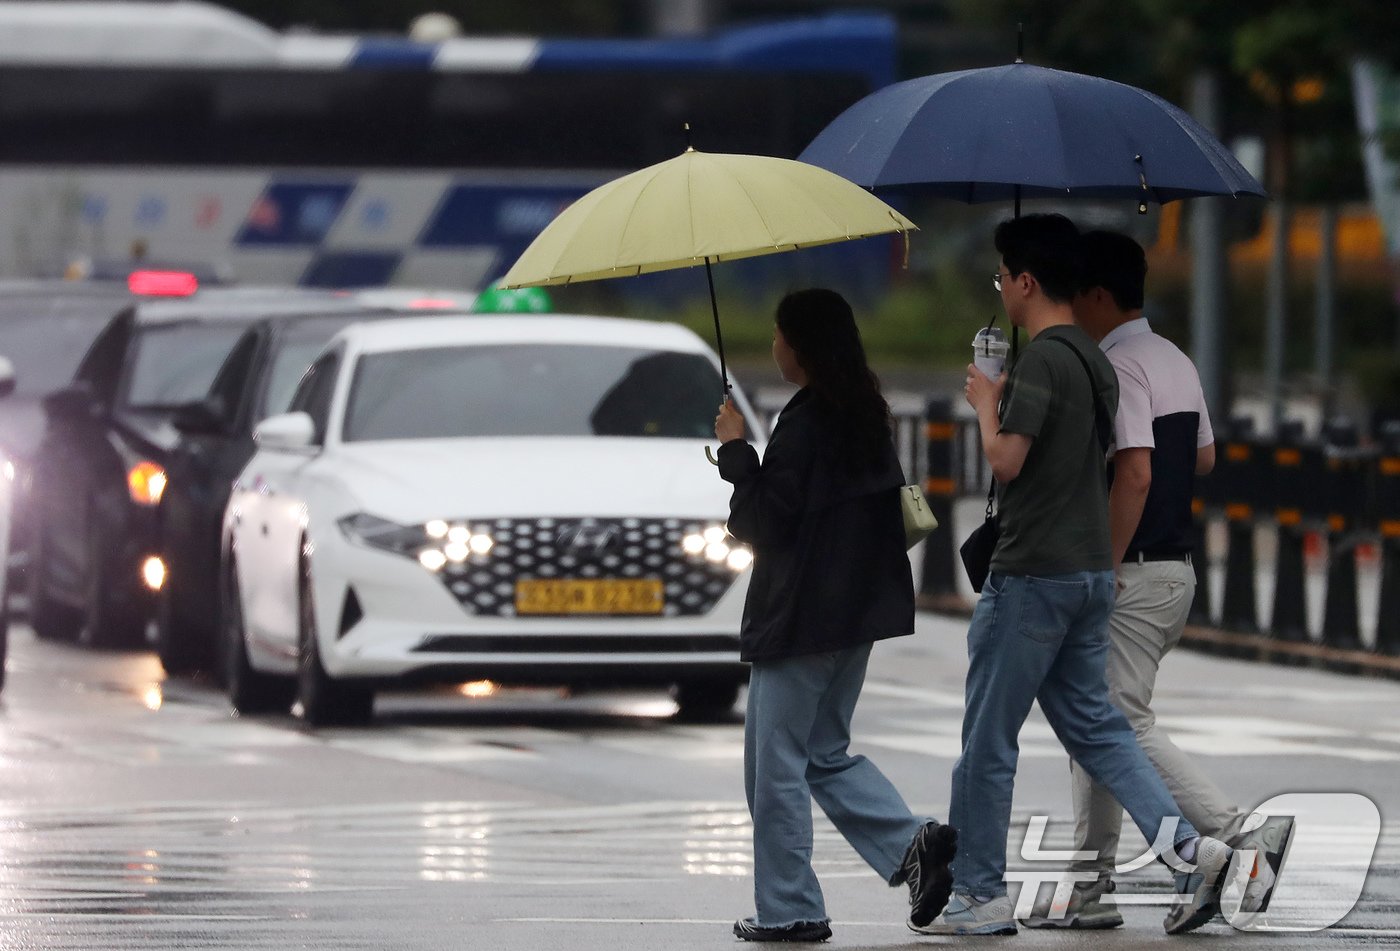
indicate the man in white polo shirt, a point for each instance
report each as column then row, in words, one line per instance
column 1163, row 440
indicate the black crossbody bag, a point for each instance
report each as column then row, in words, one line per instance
column 977, row 550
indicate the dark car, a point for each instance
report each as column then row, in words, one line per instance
column 256, row 381
column 99, row 473
column 45, row 327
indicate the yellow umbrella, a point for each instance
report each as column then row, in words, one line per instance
column 700, row 208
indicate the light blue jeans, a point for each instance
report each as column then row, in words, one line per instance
column 1045, row 639
column 795, row 739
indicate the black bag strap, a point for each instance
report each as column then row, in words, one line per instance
column 1103, row 426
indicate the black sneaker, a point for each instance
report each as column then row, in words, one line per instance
column 925, row 870
column 749, row 930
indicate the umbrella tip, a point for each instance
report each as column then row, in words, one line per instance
column 688, row 146
column 1020, row 42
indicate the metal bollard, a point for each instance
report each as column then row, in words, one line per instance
column 940, row 487
column 1344, row 489
column 1239, row 483
column 1289, row 620
column 1388, row 508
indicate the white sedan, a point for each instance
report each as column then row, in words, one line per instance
column 518, row 499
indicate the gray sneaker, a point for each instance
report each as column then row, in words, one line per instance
column 1269, row 843
column 1198, row 890
column 968, row 915
column 1079, row 907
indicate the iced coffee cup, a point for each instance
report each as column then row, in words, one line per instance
column 989, row 350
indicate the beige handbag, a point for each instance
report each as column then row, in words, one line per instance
column 919, row 522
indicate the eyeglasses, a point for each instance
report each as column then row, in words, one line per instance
column 996, row 281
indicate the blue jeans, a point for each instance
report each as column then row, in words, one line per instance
column 795, row 739
column 1045, row 639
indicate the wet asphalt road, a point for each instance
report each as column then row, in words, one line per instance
column 138, row 813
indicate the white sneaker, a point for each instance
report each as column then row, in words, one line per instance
column 967, row 915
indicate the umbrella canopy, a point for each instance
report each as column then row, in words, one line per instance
column 1021, row 131
column 700, row 208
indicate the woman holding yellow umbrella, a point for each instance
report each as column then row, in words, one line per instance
column 831, row 577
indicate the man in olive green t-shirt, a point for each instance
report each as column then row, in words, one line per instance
column 1040, row 629
column 1054, row 514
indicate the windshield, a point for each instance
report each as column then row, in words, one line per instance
column 176, row 363
column 296, row 350
column 532, row 390
column 45, row 338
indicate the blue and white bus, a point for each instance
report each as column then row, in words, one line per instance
column 183, row 132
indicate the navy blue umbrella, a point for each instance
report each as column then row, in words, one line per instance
column 1009, row 132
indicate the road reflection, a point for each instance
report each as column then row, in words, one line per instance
column 236, row 860
column 165, row 808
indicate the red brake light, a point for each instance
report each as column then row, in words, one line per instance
column 162, row 283
column 432, row 303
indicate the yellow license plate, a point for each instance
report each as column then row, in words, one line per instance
column 589, row 596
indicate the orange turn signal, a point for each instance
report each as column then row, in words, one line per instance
column 146, row 483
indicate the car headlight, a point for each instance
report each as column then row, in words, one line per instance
column 715, row 545
column 434, row 545
column 153, row 573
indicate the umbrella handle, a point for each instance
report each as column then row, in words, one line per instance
column 710, row 455
column 719, row 336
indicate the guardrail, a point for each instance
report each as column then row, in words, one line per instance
column 1334, row 490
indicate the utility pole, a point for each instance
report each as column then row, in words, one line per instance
column 1208, row 265
column 1276, row 312
column 1326, row 307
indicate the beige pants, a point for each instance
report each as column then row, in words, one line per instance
column 1148, row 618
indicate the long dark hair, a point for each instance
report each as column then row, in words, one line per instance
column 820, row 328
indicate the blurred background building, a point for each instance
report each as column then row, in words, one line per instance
column 357, row 143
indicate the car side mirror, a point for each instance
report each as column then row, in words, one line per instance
column 203, row 418
column 289, row 432
column 7, row 377
column 70, row 403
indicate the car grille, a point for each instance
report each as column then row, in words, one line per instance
column 587, row 548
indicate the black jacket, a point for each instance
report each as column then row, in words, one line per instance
column 830, row 570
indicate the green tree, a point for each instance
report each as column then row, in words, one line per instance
column 1293, row 57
